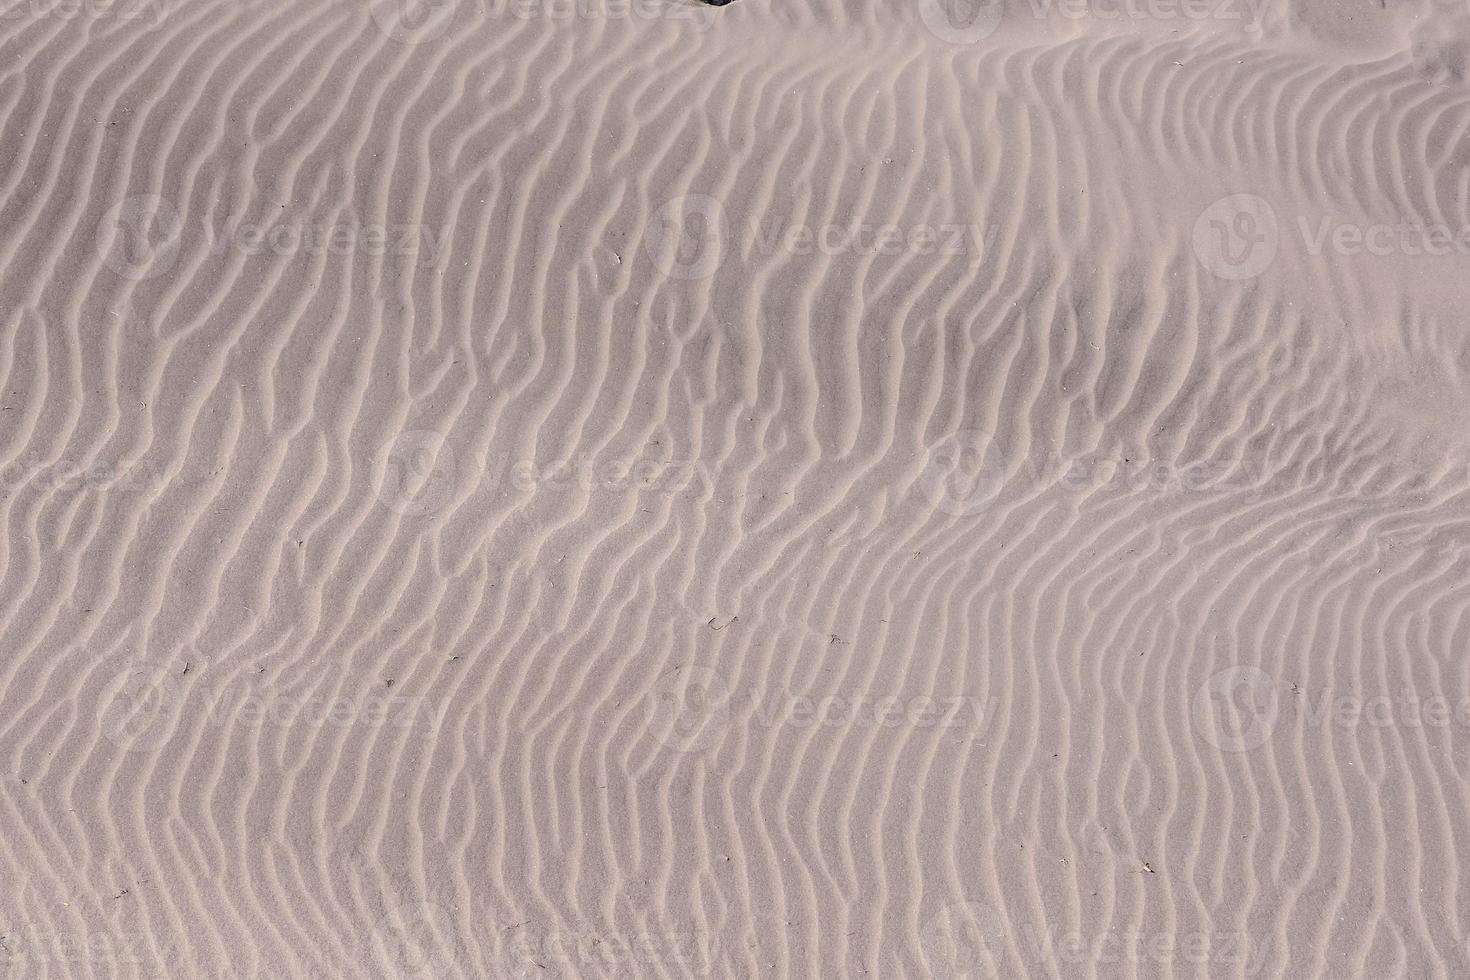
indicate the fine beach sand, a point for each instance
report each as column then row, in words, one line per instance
column 643, row 489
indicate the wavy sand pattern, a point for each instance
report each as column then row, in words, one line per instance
column 652, row 490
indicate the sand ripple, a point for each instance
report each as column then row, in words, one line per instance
column 668, row 491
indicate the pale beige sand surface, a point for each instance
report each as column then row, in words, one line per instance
column 787, row 490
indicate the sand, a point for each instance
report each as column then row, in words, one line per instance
column 779, row 490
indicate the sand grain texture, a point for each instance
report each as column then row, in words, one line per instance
column 839, row 489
